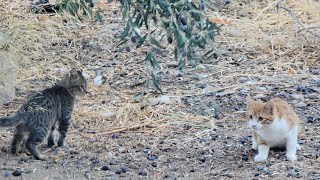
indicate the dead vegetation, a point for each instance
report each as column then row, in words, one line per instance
column 263, row 51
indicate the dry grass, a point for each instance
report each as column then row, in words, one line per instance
column 262, row 42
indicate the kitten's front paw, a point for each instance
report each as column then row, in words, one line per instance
column 259, row 158
column 298, row 147
column 50, row 143
column 41, row 157
column 254, row 146
column 291, row 157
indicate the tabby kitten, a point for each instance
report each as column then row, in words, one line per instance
column 274, row 124
column 40, row 115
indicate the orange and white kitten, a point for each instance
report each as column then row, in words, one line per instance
column 274, row 124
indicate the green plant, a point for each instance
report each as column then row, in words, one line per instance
column 181, row 23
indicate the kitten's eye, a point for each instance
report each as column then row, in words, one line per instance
column 250, row 117
column 260, row 118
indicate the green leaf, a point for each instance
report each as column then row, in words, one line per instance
column 98, row 17
column 155, row 82
column 138, row 96
column 109, row 1
column 141, row 41
column 155, row 42
column 182, row 64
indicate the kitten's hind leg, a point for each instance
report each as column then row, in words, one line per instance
column 63, row 129
column 263, row 152
column 35, row 138
column 254, row 140
column 51, row 138
column 17, row 139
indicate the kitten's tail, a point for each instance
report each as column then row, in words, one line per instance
column 12, row 121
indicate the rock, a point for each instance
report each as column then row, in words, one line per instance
column 8, row 75
column 164, row 99
column 124, row 169
column 105, row 168
column 245, row 157
column 201, row 85
column 118, row 171
column 143, row 172
column 301, row 104
column 17, row 172
column 6, row 174
column 98, row 80
column 243, row 79
column 107, row 114
column 4, row 39
column 315, row 71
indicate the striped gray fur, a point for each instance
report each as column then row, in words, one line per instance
column 45, row 111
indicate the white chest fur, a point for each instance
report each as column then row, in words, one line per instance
column 277, row 133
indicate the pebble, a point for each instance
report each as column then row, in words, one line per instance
column 256, row 174
column 310, row 120
column 293, row 173
column 145, row 150
column 154, row 164
column 269, row 173
column 105, row 168
column 245, row 157
column 202, row 159
column 260, row 167
column 143, row 173
column 17, row 173
column 151, row 157
column 6, row 174
column 201, row 85
column 124, row 169
column 243, row 79
column 118, row 171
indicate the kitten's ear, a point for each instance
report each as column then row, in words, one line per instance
column 250, row 101
column 269, row 106
column 73, row 74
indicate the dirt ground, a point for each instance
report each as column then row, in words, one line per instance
column 197, row 128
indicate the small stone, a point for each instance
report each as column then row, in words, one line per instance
column 146, row 150
column 123, row 150
column 143, row 173
column 118, row 171
column 202, row 159
column 128, row 49
column 105, row 168
column 260, row 167
column 301, row 104
column 114, row 136
column 243, row 79
column 293, row 173
column 154, row 164
column 201, row 85
column 315, row 71
column 124, row 169
column 151, row 157
column 256, row 174
column 269, row 173
column 245, row 157
column 310, row 120
column 17, row 173
column 113, row 162
column 95, row 161
column 6, row 174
